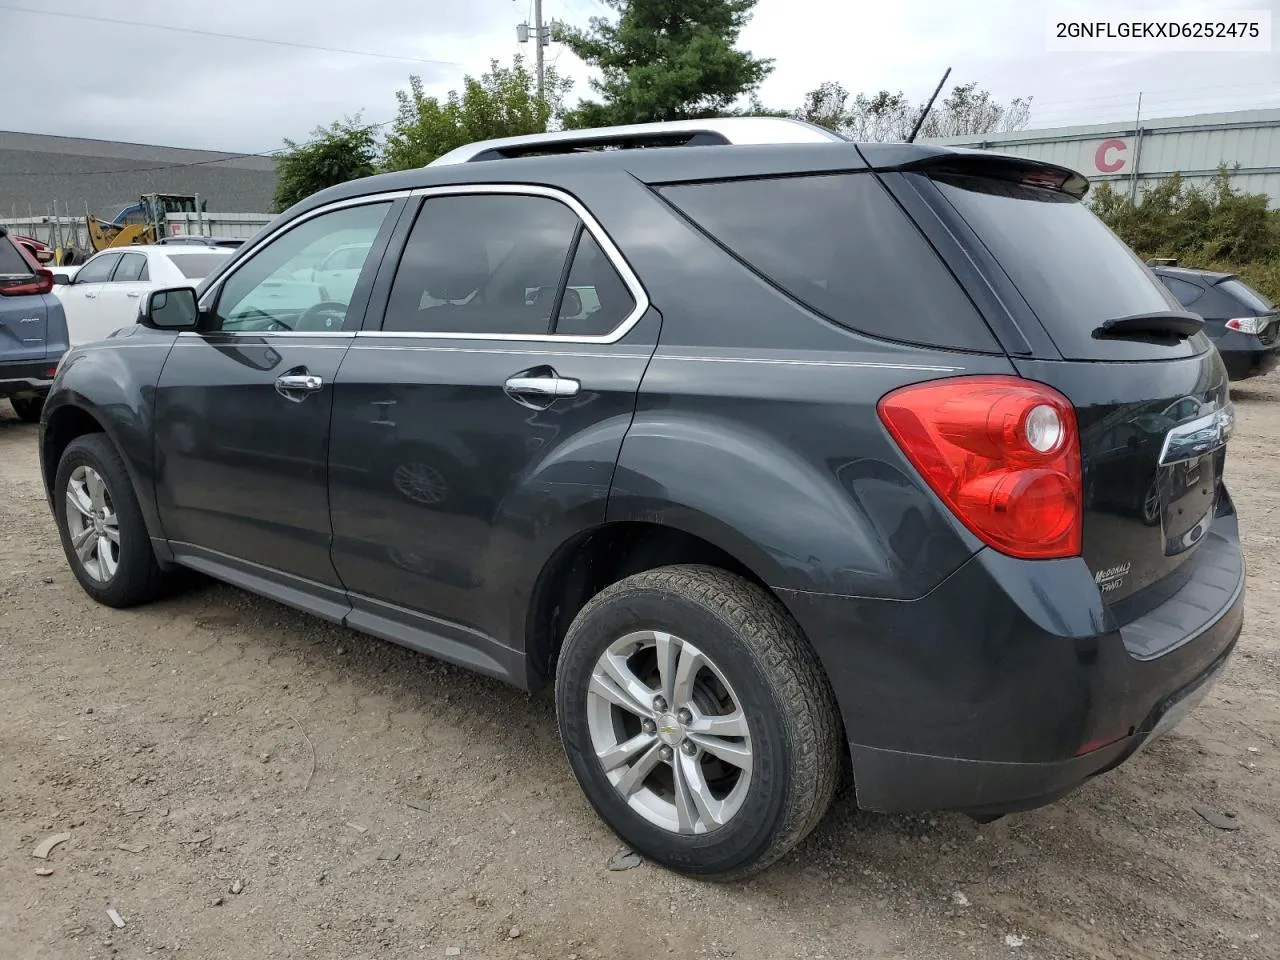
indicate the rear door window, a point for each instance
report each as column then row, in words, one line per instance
column 1073, row 272
column 841, row 246
column 482, row 265
column 132, row 267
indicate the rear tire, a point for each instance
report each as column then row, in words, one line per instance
column 28, row 409
column 105, row 537
column 749, row 740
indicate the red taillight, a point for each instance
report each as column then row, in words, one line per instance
column 1003, row 453
column 1248, row 324
column 42, row 282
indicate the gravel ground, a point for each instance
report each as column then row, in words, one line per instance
column 243, row 781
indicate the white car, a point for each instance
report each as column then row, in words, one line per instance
column 337, row 273
column 104, row 293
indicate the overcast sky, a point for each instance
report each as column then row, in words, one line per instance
column 121, row 82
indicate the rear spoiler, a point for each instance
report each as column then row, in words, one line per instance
column 960, row 161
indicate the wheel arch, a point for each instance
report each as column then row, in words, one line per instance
column 62, row 426
column 72, row 419
column 593, row 559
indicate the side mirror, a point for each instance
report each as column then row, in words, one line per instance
column 61, row 279
column 172, row 309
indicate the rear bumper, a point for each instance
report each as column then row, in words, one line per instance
column 28, row 378
column 1010, row 684
column 1248, row 360
column 899, row 782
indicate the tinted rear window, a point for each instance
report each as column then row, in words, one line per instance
column 11, row 261
column 840, row 245
column 197, row 266
column 1071, row 269
column 1187, row 293
column 1244, row 293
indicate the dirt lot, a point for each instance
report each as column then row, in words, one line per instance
column 367, row 801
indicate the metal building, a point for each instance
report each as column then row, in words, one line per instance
column 101, row 176
column 1137, row 155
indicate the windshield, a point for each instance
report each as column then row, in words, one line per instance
column 1245, row 294
column 197, row 266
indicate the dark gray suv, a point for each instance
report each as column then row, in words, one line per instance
column 773, row 459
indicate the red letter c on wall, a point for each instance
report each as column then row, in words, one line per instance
column 1100, row 158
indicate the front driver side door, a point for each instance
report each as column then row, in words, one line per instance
column 243, row 406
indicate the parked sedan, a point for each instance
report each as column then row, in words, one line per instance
column 1242, row 323
column 103, row 294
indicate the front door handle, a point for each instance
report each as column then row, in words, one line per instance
column 135, row 294
column 546, row 388
column 296, row 386
column 90, row 294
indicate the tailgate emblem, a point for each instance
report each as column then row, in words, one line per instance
column 1111, row 578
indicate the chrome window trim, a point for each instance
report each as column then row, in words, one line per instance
column 611, row 252
column 268, row 333
column 607, row 245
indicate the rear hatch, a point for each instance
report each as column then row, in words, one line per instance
column 24, row 317
column 1087, row 317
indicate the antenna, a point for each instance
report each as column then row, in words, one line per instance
column 928, row 106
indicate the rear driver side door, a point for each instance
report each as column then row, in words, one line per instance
column 243, row 405
column 476, row 428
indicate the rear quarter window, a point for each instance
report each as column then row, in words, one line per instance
column 11, row 261
column 1187, row 293
column 843, row 247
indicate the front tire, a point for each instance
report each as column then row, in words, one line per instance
column 100, row 522
column 698, row 720
column 28, row 409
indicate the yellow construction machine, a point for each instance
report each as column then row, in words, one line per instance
column 143, row 222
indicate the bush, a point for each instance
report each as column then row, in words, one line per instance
column 1214, row 226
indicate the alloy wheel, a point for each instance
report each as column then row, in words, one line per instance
column 669, row 732
column 92, row 524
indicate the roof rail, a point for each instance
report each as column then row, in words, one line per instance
column 672, row 133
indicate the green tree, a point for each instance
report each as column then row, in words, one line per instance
column 501, row 103
column 1214, row 226
column 345, row 150
column 665, row 60
column 885, row 116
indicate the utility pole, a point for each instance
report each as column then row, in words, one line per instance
column 541, row 37
column 539, row 42
column 1137, row 152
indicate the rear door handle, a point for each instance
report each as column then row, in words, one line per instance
column 548, row 388
column 135, row 294
column 296, row 386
